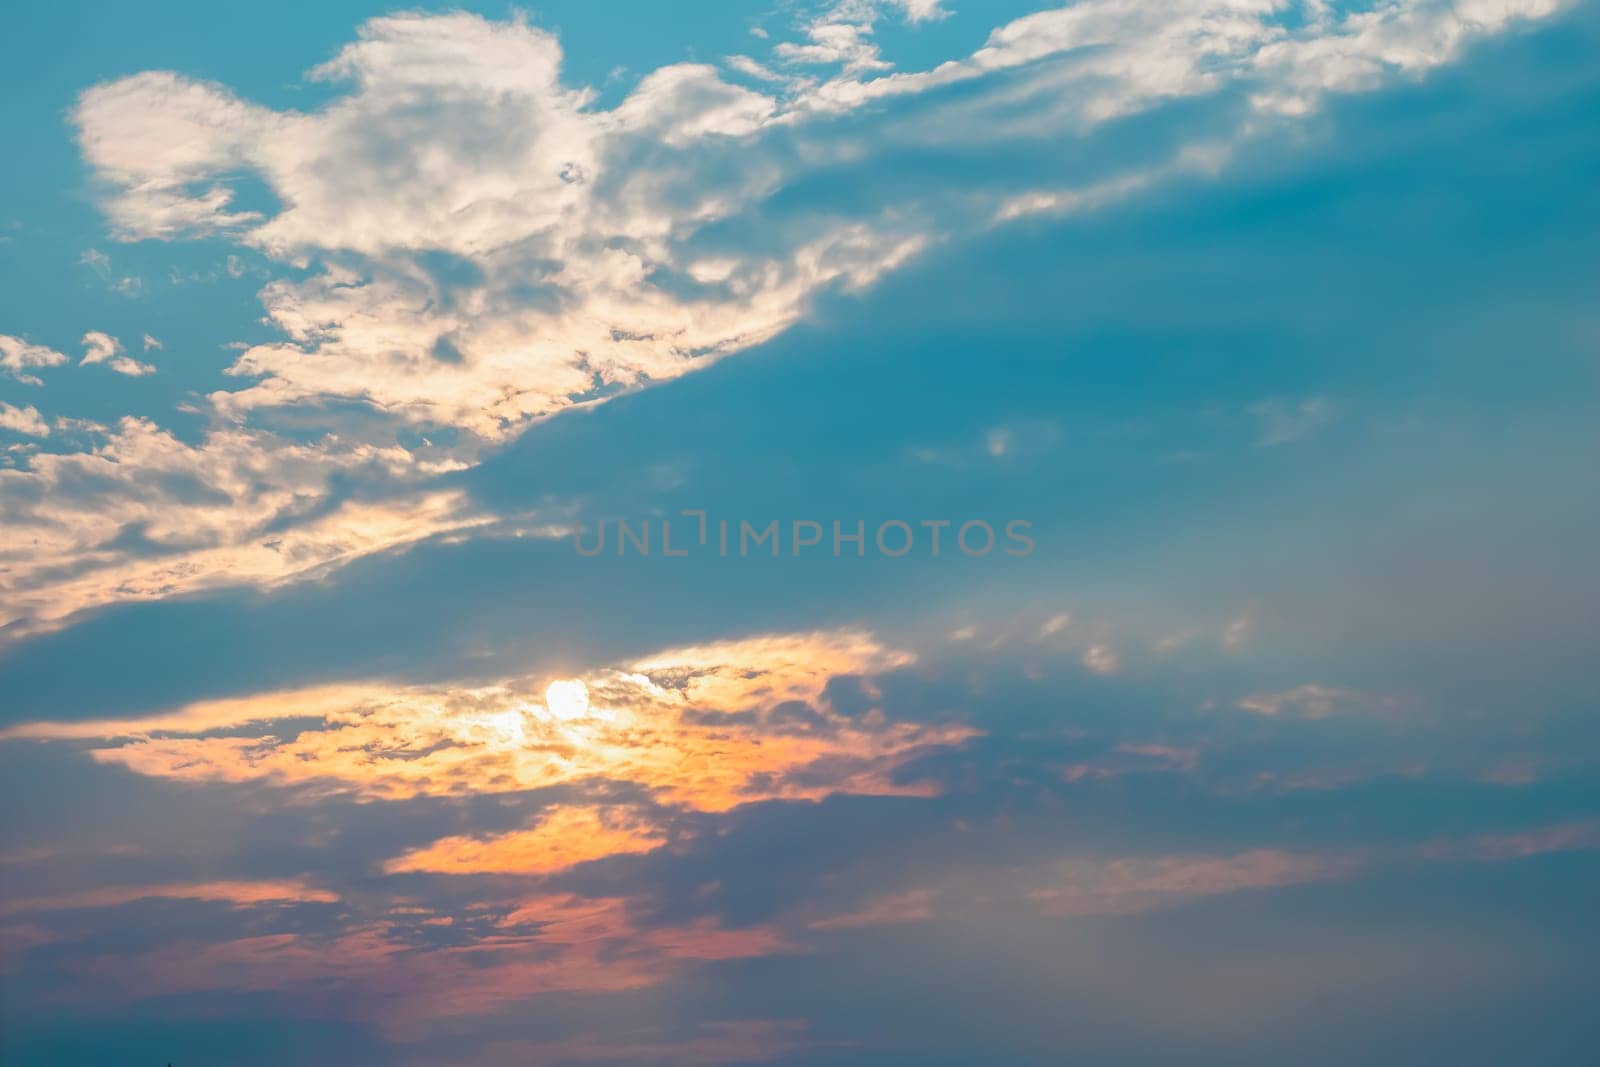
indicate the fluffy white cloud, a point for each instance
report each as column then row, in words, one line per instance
column 1367, row 47
column 492, row 247
column 23, row 420
column 478, row 244
column 18, row 357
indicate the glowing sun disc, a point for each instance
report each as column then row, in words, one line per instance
column 567, row 698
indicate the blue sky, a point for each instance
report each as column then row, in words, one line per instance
column 326, row 326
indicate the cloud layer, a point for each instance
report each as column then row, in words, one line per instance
column 467, row 243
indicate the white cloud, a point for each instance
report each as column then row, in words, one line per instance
column 583, row 232
column 23, row 420
column 1366, row 48
column 478, row 244
column 921, row 10
column 103, row 348
column 17, row 357
column 847, row 44
column 145, row 515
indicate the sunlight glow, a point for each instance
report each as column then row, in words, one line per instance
column 567, row 698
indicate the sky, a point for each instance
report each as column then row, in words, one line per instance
column 859, row 532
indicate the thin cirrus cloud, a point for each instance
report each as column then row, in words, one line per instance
column 1313, row 701
column 1135, row 884
column 543, row 944
column 479, row 244
column 239, row 894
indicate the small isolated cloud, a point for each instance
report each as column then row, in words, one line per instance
column 103, row 348
column 1284, row 421
column 1019, row 439
column 23, row 420
column 97, row 261
column 1314, row 702
column 17, row 357
column 100, row 263
column 1101, row 659
column 152, row 342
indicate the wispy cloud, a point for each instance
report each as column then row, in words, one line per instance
column 237, row 893
column 1284, row 421
column 1317, row 702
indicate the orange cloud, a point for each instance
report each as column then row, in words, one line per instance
column 709, row 728
column 239, row 894
column 563, row 837
column 202, row 715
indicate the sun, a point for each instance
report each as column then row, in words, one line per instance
column 567, row 698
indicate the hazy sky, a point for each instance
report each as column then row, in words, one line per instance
column 1262, row 336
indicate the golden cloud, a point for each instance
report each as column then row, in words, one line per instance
column 708, row 727
column 564, row 836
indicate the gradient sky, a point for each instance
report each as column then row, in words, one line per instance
column 325, row 326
